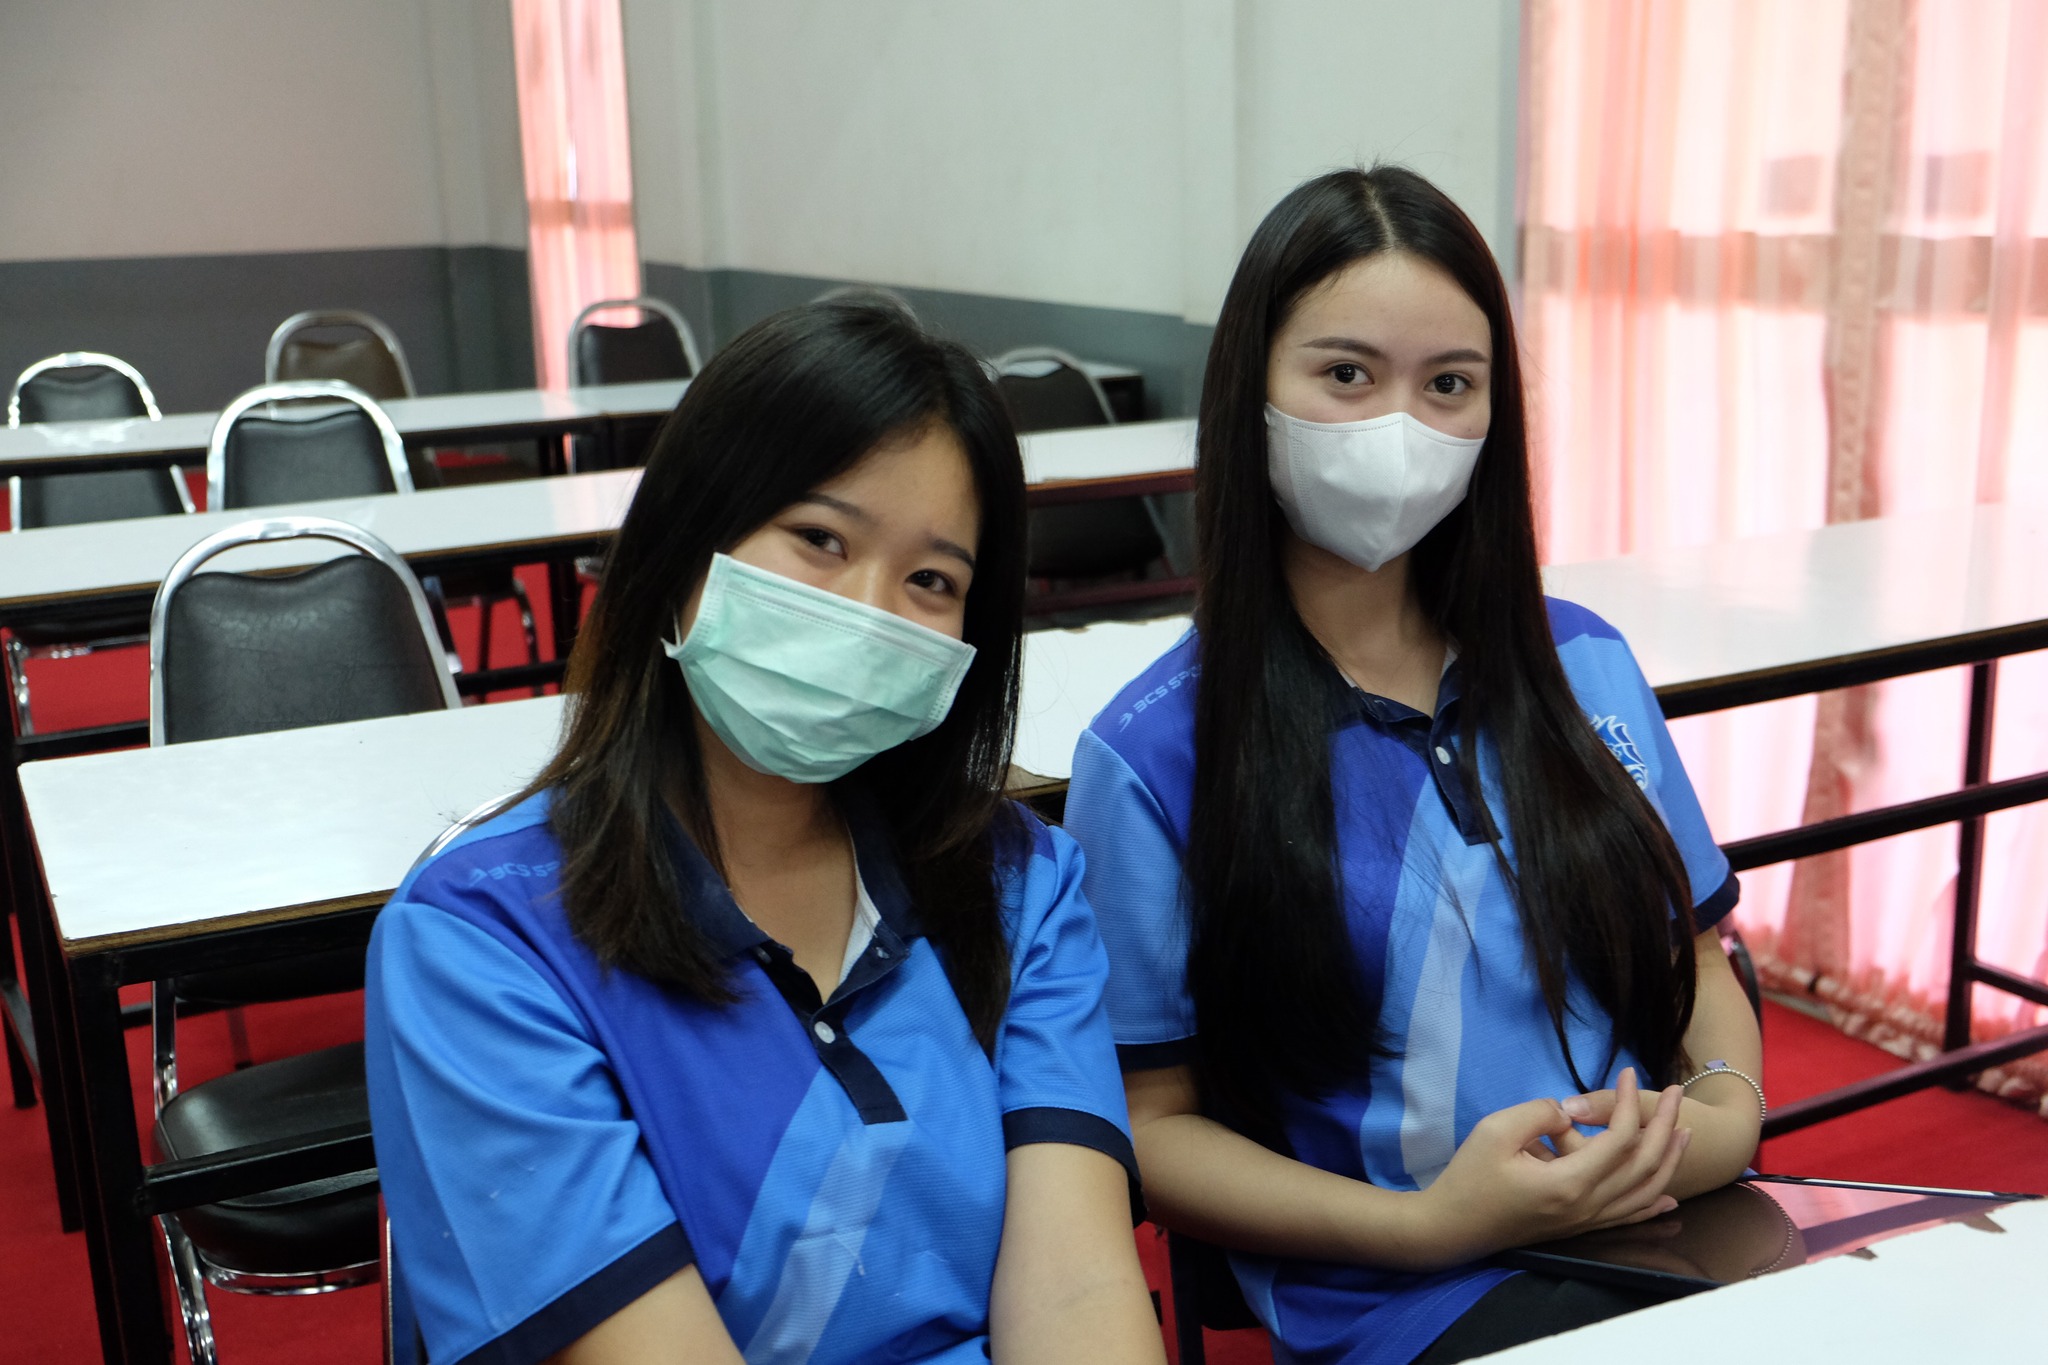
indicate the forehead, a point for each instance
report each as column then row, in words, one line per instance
column 1391, row 299
column 922, row 475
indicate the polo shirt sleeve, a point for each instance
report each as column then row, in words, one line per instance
column 1133, row 881
column 1056, row 1071
column 524, row 1209
column 1650, row 756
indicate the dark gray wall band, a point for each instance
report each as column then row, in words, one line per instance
column 196, row 325
column 1168, row 350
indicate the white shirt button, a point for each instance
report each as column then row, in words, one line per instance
column 824, row 1032
column 1443, row 755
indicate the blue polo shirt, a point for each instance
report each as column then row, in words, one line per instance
column 1436, row 932
column 555, row 1138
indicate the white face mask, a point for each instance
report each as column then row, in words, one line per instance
column 1366, row 491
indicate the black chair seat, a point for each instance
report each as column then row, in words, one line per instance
column 301, row 1229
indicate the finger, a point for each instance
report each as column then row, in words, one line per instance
column 1648, row 1153
column 1516, row 1127
column 1570, row 1141
column 1610, row 1150
column 1541, row 1150
column 1655, row 1182
column 1594, row 1108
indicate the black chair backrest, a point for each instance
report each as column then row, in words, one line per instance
column 273, row 460
column 1064, row 398
column 110, row 495
column 248, row 653
column 365, row 362
column 75, row 393
column 630, row 355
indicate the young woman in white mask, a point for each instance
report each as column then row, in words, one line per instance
column 760, row 1026
column 1410, row 907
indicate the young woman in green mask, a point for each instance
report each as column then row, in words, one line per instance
column 760, row 1025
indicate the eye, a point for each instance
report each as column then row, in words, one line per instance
column 931, row 580
column 1450, row 384
column 1345, row 372
column 818, row 538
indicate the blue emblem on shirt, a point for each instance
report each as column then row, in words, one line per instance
column 1614, row 730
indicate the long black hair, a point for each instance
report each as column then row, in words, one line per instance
column 791, row 403
column 1598, row 883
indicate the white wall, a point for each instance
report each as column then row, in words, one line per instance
column 176, row 127
column 1114, row 154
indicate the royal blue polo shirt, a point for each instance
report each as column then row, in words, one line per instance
column 555, row 1138
column 1437, row 936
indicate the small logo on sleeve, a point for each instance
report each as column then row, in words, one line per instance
column 1613, row 730
column 478, row 875
column 1155, row 696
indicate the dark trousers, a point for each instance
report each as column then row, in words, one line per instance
column 1526, row 1307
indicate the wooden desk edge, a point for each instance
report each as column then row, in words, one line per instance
column 136, row 938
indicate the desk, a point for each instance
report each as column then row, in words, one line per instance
column 1949, row 1293
column 62, row 569
column 442, row 419
column 252, row 845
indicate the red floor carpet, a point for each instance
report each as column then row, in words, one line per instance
column 1934, row 1138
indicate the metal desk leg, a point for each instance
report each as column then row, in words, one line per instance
column 127, row 1281
column 1962, row 956
column 565, row 605
column 41, row 968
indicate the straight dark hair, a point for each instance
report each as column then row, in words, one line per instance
column 1597, row 880
column 791, row 403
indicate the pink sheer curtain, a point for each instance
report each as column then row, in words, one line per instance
column 571, row 61
column 1787, row 264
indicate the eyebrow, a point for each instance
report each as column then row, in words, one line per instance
column 866, row 518
column 1464, row 355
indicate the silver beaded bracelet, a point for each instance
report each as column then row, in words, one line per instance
column 1721, row 1068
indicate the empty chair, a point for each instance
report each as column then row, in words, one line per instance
column 1048, row 390
column 262, row 454
column 339, row 343
column 660, row 346
column 234, row 654
column 358, row 349
column 81, row 386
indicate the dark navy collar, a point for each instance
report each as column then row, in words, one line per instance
column 1432, row 739
column 708, row 904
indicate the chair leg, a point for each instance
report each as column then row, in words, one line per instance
column 17, row 686
column 526, row 624
column 189, row 1282
column 485, row 609
column 21, row 1077
column 163, row 1041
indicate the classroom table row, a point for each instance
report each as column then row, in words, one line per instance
column 154, row 862
column 451, row 419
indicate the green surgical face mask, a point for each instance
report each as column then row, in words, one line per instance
column 805, row 684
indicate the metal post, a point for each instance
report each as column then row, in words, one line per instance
column 1962, row 958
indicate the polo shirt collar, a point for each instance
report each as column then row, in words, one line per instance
column 709, row 905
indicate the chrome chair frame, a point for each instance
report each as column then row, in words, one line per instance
column 1002, row 364
column 646, row 303
column 17, row 653
column 190, row 1272
column 289, row 391
column 273, row 352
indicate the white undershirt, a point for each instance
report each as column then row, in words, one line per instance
column 865, row 918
